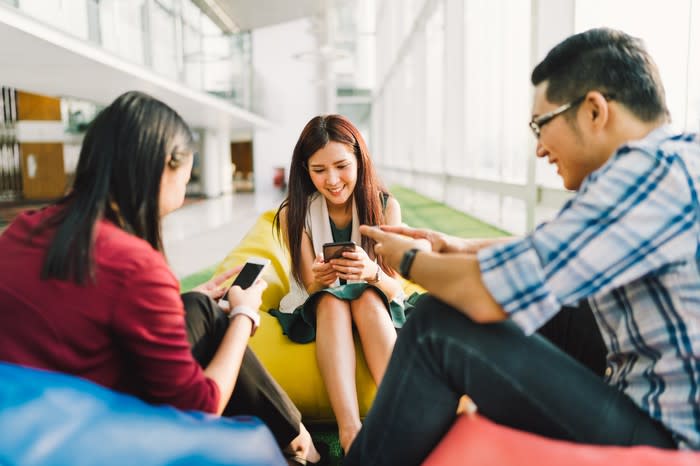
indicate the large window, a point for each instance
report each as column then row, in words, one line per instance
column 121, row 28
column 496, row 89
column 433, row 158
column 454, row 97
column 174, row 38
column 671, row 31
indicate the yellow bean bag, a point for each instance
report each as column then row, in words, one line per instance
column 293, row 365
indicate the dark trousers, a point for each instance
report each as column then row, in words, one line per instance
column 256, row 392
column 529, row 383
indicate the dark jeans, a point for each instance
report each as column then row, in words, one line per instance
column 527, row 383
column 256, row 392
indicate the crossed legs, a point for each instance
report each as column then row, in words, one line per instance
column 256, row 392
column 335, row 352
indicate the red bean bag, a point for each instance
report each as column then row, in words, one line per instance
column 475, row 441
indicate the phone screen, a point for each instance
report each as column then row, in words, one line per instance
column 246, row 277
column 336, row 250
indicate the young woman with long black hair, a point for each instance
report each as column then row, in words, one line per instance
column 85, row 288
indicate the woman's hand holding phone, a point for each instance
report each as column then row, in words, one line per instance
column 355, row 265
column 324, row 274
column 247, row 287
column 250, row 297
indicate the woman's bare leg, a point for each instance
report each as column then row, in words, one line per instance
column 377, row 332
column 335, row 354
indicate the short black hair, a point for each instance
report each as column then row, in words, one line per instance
column 609, row 61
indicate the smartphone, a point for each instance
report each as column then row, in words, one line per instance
column 336, row 250
column 250, row 272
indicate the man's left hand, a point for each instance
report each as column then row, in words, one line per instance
column 392, row 246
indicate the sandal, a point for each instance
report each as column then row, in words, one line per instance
column 321, row 447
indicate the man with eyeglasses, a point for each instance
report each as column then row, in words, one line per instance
column 624, row 367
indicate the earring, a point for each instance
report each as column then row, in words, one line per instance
column 174, row 161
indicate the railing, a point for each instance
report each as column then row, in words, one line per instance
column 174, row 38
column 10, row 174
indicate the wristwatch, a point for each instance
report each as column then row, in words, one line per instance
column 377, row 276
column 254, row 316
column 407, row 262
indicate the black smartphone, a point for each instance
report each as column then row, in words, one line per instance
column 248, row 274
column 336, row 250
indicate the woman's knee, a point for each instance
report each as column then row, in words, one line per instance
column 328, row 307
column 368, row 301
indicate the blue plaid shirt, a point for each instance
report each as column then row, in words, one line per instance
column 629, row 241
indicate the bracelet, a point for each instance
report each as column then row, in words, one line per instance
column 407, row 262
column 254, row 316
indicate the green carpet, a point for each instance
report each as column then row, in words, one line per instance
column 417, row 211
column 422, row 212
column 190, row 281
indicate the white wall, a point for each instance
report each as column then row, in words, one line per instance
column 291, row 93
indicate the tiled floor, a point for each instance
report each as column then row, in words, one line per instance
column 199, row 235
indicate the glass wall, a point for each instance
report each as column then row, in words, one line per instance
column 174, row 38
column 453, row 94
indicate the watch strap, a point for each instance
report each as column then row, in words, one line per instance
column 407, row 262
column 377, row 276
column 253, row 315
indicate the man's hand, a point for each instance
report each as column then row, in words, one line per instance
column 213, row 287
column 392, row 246
column 439, row 242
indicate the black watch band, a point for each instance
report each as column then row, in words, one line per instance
column 407, row 262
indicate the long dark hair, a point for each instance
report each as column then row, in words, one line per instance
column 316, row 134
column 118, row 178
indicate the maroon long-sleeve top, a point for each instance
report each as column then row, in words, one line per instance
column 126, row 331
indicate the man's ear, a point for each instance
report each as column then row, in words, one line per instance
column 597, row 109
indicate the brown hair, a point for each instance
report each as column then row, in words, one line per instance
column 316, row 134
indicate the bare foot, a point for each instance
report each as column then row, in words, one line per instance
column 466, row 406
column 302, row 447
column 346, row 437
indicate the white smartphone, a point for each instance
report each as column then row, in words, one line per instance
column 250, row 272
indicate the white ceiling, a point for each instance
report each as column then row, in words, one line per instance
column 252, row 14
column 31, row 59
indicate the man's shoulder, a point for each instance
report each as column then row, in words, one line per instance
column 664, row 142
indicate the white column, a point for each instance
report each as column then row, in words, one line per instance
column 455, row 84
column 327, row 52
column 216, row 162
column 552, row 22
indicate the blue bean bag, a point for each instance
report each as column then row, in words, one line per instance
column 48, row 418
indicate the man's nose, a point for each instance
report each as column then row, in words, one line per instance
column 540, row 151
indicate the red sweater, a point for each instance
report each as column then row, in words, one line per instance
column 126, row 331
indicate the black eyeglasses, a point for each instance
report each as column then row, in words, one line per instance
column 538, row 122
